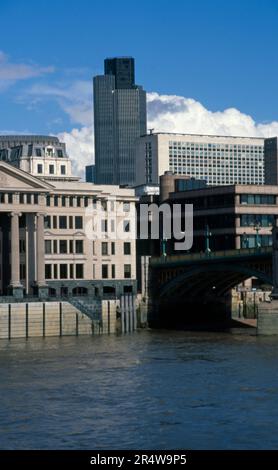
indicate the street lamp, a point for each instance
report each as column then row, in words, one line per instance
column 245, row 241
column 257, row 227
column 207, row 237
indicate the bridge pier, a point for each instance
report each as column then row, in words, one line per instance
column 267, row 322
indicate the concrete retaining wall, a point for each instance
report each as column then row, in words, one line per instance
column 41, row 319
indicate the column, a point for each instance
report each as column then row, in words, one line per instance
column 15, row 285
column 42, row 287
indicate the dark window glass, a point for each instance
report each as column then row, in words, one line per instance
column 112, row 248
column 63, row 201
column 39, row 168
column 104, row 248
column 78, row 222
column 104, row 269
column 47, row 244
column 59, row 153
column 36, row 199
column 47, row 221
column 51, row 169
column 127, row 271
column 127, row 248
column 54, row 221
column 63, row 221
column 29, row 199
column 70, row 221
column 113, row 272
column 48, row 271
column 38, row 153
column 79, row 246
column 63, row 169
column 63, row 271
column 10, row 198
column 79, row 271
column 63, row 246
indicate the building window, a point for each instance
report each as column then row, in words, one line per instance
column 78, row 201
column 36, row 199
column 63, row 246
column 113, row 271
column 79, row 246
column 56, row 201
column 54, row 221
column 79, row 271
column 64, row 199
column 47, row 221
column 47, row 247
column 71, row 271
column 104, row 248
column 21, row 198
column 127, row 271
column 104, row 269
column 55, row 246
column 10, row 198
column 29, row 198
column 71, row 246
column 62, row 221
column 112, row 248
column 63, row 271
column 55, row 271
column 63, row 169
column 39, row 168
column 48, row 271
column 51, row 169
column 71, row 199
column 48, row 201
column 38, row 153
column 127, row 248
column 59, row 153
column 126, row 226
column 104, row 226
column 126, row 206
column 78, row 222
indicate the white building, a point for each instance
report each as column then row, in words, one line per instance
column 219, row 160
column 60, row 236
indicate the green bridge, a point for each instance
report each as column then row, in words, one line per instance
column 182, row 285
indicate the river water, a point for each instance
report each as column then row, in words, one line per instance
column 148, row 390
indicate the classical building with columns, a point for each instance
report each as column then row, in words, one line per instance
column 60, row 236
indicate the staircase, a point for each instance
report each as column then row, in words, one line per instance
column 90, row 308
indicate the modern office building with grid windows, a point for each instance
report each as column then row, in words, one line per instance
column 220, row 160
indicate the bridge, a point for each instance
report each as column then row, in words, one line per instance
column 189, row 286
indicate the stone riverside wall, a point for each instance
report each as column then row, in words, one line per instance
column 43, row 319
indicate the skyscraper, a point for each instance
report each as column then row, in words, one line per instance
column 119, row 119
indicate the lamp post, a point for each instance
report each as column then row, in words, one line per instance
column 257, row 227
column 207, row 237
column 245, row 241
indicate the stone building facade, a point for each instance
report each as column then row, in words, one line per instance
column 60, row 236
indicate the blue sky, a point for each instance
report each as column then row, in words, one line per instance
column 220, row 54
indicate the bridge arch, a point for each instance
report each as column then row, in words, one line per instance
column 214, row 279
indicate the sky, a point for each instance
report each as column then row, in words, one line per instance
column 208, row 66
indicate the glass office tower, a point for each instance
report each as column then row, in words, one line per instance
column 119, row 119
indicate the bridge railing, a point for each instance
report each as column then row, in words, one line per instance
column 211, row 255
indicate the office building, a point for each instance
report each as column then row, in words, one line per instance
column 271, row 160
column 219, row 160
column 47, row 242
column 119, row 120
column 90, row 173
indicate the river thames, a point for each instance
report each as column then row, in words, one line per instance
column 148, row 390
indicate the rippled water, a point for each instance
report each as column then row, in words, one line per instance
column 164, row 390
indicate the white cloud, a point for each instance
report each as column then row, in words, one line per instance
column 11, row 72
column 80, row 147
column 74, row 98
column 170, row 113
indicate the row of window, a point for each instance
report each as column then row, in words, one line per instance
column 64, row 271
column 257, row 199
column 64, row 247
column 249, row 220
column 76, row 271
column 27, row 198
column 63, row 222
column 51, row 169
column 109, row 248
column 79, row 201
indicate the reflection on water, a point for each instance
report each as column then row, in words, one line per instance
column 162, row 390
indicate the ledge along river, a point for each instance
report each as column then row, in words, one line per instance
column 147, row 390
